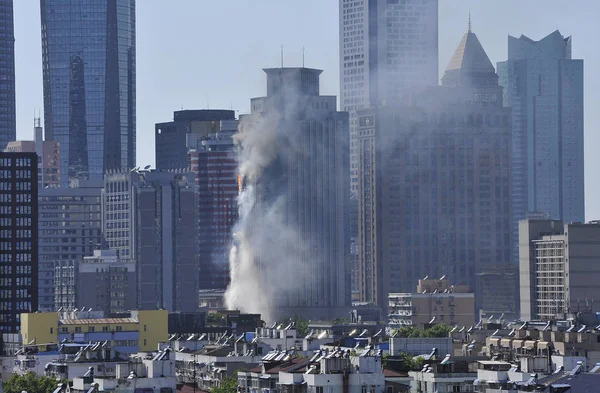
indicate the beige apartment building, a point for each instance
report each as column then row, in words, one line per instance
column 435, row 301
column 559, row 268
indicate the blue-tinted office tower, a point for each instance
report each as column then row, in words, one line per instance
column 8, row 130
column 88, row 52
column 544, row 87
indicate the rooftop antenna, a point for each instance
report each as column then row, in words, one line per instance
column 281, row 56
column 469, row 21
column 302, row 57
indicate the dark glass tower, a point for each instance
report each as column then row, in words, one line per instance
column 88, row 50
column 18, row 238
column 8, row 130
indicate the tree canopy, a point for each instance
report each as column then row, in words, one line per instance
column 301, row 324
column 31, row 383
column 439, row 330
column 228, row 385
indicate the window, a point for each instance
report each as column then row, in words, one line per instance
column 144, row 327
column 78, row 329
column 319, row 389
column 91, row 329
column 51, row 330
column 144, row 341
column 118, row 328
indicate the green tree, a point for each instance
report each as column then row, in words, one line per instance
column 410, row 363
column 227, row 385
column 301, row 324
column 439, row 330
column 31, row 383
column 216, row 319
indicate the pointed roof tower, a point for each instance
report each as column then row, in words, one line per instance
column 470, row 64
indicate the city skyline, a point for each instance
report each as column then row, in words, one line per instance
column 161, row 81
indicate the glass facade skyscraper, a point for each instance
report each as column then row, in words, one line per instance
column 88, row 52
column 7, row 74
column 388, row 48
column 543, row 85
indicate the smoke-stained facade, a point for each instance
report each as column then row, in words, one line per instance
column 214, row 164
column 388, row 48
column 88, row 54
column 434, row 182
column 8, row 127
column 543, row 86
column 291, row 245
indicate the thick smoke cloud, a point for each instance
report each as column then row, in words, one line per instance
column 266, row 245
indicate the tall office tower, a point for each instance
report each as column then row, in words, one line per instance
column 18, row 238
column 558, row 268
column 387, row 50
column 8, row 126
column 544, row 87
column 301, row 195
column 214, row 165
column 172, row 137
column 88, row 55
column 151, row 218
column 48, row 156
column 434, row 182
column 70, row 229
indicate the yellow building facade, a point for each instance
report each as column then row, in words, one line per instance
column 140, row 331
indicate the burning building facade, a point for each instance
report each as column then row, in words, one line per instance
column 291, row 242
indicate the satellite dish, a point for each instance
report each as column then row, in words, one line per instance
column 147, row 167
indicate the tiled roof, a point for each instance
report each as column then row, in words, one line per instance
column 393, row 374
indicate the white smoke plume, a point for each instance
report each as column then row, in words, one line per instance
column 262, row 234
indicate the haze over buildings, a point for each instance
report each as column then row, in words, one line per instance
column 387, row 50
column 434, row 182
column 88, row 53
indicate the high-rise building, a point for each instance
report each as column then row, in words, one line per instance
column 151, row 218
column 18, row 238
column 88, row 55
column 214, row 165
column 544, row 87
column 100, row 282
column 106, row 283
column 306, row 187
column 172, row 137
column 558, row 269
column 48, row 156
column 8, row 113
column 434, row 182
column 387, row 50
column 70, row 228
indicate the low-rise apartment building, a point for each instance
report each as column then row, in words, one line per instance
column 135, row 331
column 434, row 301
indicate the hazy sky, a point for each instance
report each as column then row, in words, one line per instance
column 209, row 53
